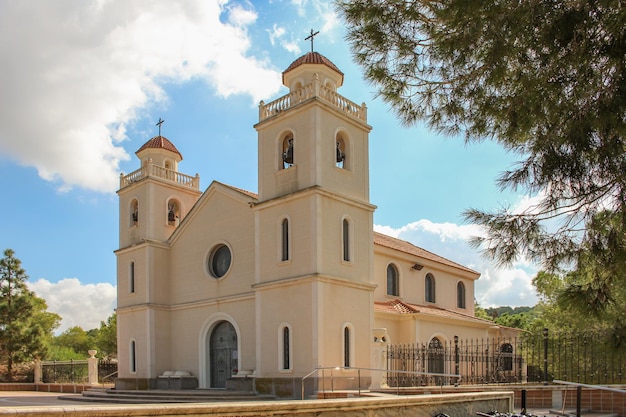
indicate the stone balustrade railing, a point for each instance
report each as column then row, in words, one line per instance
column 152, row 170
column 313, row 89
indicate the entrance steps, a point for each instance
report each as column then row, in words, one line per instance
column 95, row 395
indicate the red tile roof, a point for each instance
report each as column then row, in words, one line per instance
column 407, row 247
column 312, row 58
column 400, row 307
column 160, row 142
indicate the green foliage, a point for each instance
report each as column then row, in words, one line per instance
column 25, row 325
column 546, row 80
column 74, row 343
column 480, row 312
column 107, row 337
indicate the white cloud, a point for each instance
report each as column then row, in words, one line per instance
column 75, row 74
column 496, row 286
column 84, row 305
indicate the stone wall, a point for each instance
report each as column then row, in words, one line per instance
column 455, row 405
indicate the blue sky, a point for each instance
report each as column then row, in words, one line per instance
column 83, row 83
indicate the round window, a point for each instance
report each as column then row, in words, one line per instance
column 219, row 261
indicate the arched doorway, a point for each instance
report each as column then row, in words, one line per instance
column 436, row 356
column 222, row 353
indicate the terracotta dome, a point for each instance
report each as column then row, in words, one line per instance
column 160, row 142
column 312, row 58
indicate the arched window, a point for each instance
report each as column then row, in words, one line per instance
column 285, row 347
column 436, row 356
column 287, row 159
column 173, row 213
column 284, row 246
column 134, row 212
column 429, row 284
column 346, row 239
column 131, row 278
column 133, row 357
column 506, row 351
column 347, row 346
column 460, row 295
column 392, row 280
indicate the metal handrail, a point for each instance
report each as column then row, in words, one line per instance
column 579, row 388
column 600, row 387
column 345, row 368
column 104, row 378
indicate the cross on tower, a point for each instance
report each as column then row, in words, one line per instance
column 159, row 123
column 311, row 36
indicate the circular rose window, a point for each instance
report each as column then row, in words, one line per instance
column 219, row 261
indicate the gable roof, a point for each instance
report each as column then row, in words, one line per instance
column 160, row 142
column 409, row 248
column 400, row 307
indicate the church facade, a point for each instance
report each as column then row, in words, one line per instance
column 225, row 284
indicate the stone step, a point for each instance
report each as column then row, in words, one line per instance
column 163, row 396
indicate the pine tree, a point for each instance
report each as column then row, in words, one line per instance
column 547, row 81
column 24, row 323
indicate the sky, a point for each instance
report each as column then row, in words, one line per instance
column 83, row 82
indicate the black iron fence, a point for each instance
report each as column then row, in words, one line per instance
column 74, row 371
column 62, row 372
column 589, row 358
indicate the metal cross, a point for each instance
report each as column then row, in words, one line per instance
column 311, row 36
column 159, row 123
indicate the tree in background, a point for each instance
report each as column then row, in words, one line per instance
column 25, row 325
column 107, row 337
column 547, row 81
column 75, row 342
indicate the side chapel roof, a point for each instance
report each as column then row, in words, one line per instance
column 401, row 307
column 409, row 248
column 160, row 142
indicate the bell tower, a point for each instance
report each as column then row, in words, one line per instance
column 153, row 200
column 314, row 223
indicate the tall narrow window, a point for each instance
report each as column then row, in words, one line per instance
column 133, row 357
column 346, row 347
column 392, row 280
column 286, row 347
column 460, row 295
column 131, row 278
column 429, row 284
column 284, row 228
column 346, row 240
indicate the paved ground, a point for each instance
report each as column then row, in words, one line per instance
column 44, row 399
column 47, row 399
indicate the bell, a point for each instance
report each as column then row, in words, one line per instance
column 288, row 154
column 171, row 217
column 340, row 155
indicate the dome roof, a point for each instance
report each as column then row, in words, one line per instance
column 160, row 142
column 312, row 58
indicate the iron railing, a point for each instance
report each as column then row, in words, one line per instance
column 590, row 358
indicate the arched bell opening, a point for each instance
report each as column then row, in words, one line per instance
column 287, row 152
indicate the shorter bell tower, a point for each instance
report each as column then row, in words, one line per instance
column 154, row 199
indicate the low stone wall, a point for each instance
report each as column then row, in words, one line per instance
column 455, row 405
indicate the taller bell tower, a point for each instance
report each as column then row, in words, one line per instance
column 314, row 225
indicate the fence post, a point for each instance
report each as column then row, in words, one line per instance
column 38, row 371
column 545, row 356
column 456, row 358
column 92, row 367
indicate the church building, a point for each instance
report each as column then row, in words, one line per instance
column 223, row 285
